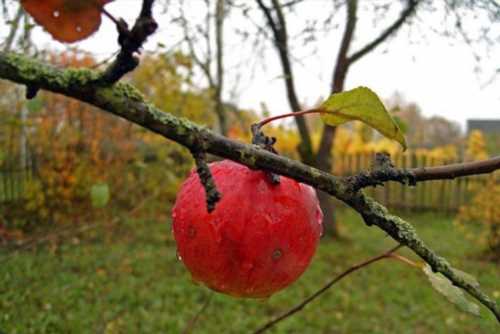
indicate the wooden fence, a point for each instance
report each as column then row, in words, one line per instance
column 442, row 195
column 13, row 180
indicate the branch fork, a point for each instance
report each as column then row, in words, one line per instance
column 265, row 142
column 212, row 194
column 131, row 42
column 383, row 170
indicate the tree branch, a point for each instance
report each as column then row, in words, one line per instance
column 323, row 289
column 125, row 101
column 204, row 66
column 192, row 322
column 212, row 195
column 405, row 14
column 219, row 45
column 383, row 171
column 344, row 62
column 456, row 170
column 14, row 26
column 130, row 42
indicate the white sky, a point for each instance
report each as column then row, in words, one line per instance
column 435, row 74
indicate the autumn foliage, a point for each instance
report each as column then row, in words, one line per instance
column 76, row 147
column 483, row 214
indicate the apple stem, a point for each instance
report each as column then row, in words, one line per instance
column 404, row 260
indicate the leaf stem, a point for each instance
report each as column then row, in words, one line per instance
column 404, row 260
column 111, row 17
column 292, row 114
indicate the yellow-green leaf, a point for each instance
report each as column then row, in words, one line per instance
column 456, row 296
column 99, row 195
column 361, row 104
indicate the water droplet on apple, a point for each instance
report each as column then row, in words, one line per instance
column 247, row 266
column 217, row 234
column 179, row 257
column 191, row 232
column 249, row 290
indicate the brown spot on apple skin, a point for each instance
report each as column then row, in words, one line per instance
column 277, row 254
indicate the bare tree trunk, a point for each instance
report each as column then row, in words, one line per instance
column 14, row 27
column 280, row 36
column 322, row 158
column 219, row 42
column 214, row 20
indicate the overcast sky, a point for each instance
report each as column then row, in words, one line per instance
column 438, row 75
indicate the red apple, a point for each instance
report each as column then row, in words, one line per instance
column 259, row 239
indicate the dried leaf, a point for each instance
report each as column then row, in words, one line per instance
column 67, row 20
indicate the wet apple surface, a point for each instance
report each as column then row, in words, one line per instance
column 259, row 239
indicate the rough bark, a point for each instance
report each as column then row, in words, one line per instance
column 219, row 45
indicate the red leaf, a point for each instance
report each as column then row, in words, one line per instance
column 67, row 20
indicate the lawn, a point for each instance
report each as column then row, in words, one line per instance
column 127, row 279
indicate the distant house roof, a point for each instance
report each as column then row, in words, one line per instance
column 489, row 126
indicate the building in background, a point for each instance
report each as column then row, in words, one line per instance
column 491, row 130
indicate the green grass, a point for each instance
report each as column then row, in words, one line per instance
column 129, row 280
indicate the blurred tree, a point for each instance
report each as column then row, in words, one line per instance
column 276, row 13
column 77, row 147
column 425, row 132
column 476, row 146
column 484, row 211
column 166, row 79
column 275, row 16
column 201, row 40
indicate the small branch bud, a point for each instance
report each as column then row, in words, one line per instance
column 131, row 42
column 260, row 139
column 383, row 170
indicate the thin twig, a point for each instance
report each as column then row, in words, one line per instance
column 404, row 260
column 292, row 114
column 327, row 286
column 456, row 170
column 192, row 322
column 384, row 171
column 111, row 17
column 131, row 42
